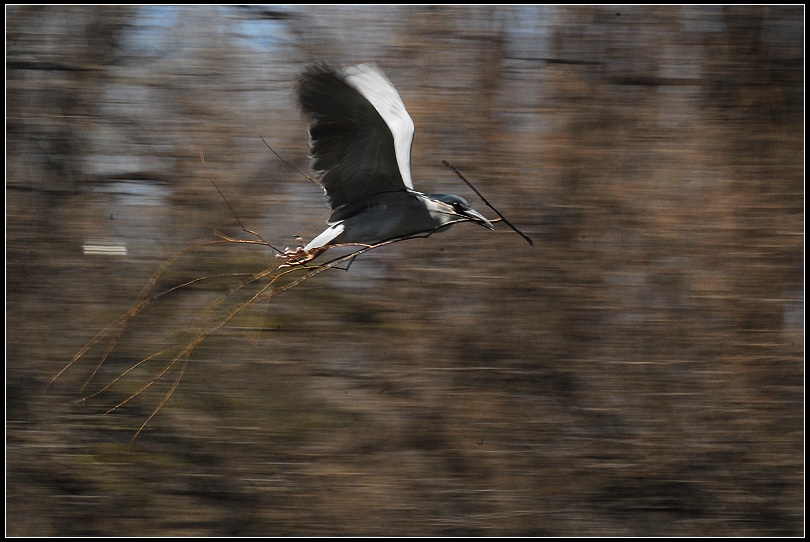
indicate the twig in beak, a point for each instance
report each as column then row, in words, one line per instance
column 488, row 204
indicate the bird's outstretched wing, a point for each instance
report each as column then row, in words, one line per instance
column 360, row 133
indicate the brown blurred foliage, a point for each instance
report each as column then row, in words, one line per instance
column 639, row 371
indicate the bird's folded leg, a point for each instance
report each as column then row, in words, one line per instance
column 299, row 256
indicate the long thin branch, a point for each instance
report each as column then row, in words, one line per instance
column 488, row 204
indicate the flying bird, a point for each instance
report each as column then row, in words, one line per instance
column 360, row 150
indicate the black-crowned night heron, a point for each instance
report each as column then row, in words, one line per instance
column 360, row 146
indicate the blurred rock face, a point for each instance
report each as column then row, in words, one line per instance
column 639, row 371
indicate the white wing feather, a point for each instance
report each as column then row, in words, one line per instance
column 377, row 89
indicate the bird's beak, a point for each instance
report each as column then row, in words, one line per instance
column 478, row 218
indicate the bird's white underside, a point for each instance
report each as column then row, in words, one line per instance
column 326, row 237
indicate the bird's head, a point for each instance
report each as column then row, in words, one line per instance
column 448, row 209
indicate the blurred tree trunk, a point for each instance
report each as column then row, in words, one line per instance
column 57, row 62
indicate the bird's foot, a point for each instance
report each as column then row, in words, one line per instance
column 299, row 256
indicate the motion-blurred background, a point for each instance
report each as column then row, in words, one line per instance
column 639, row 371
